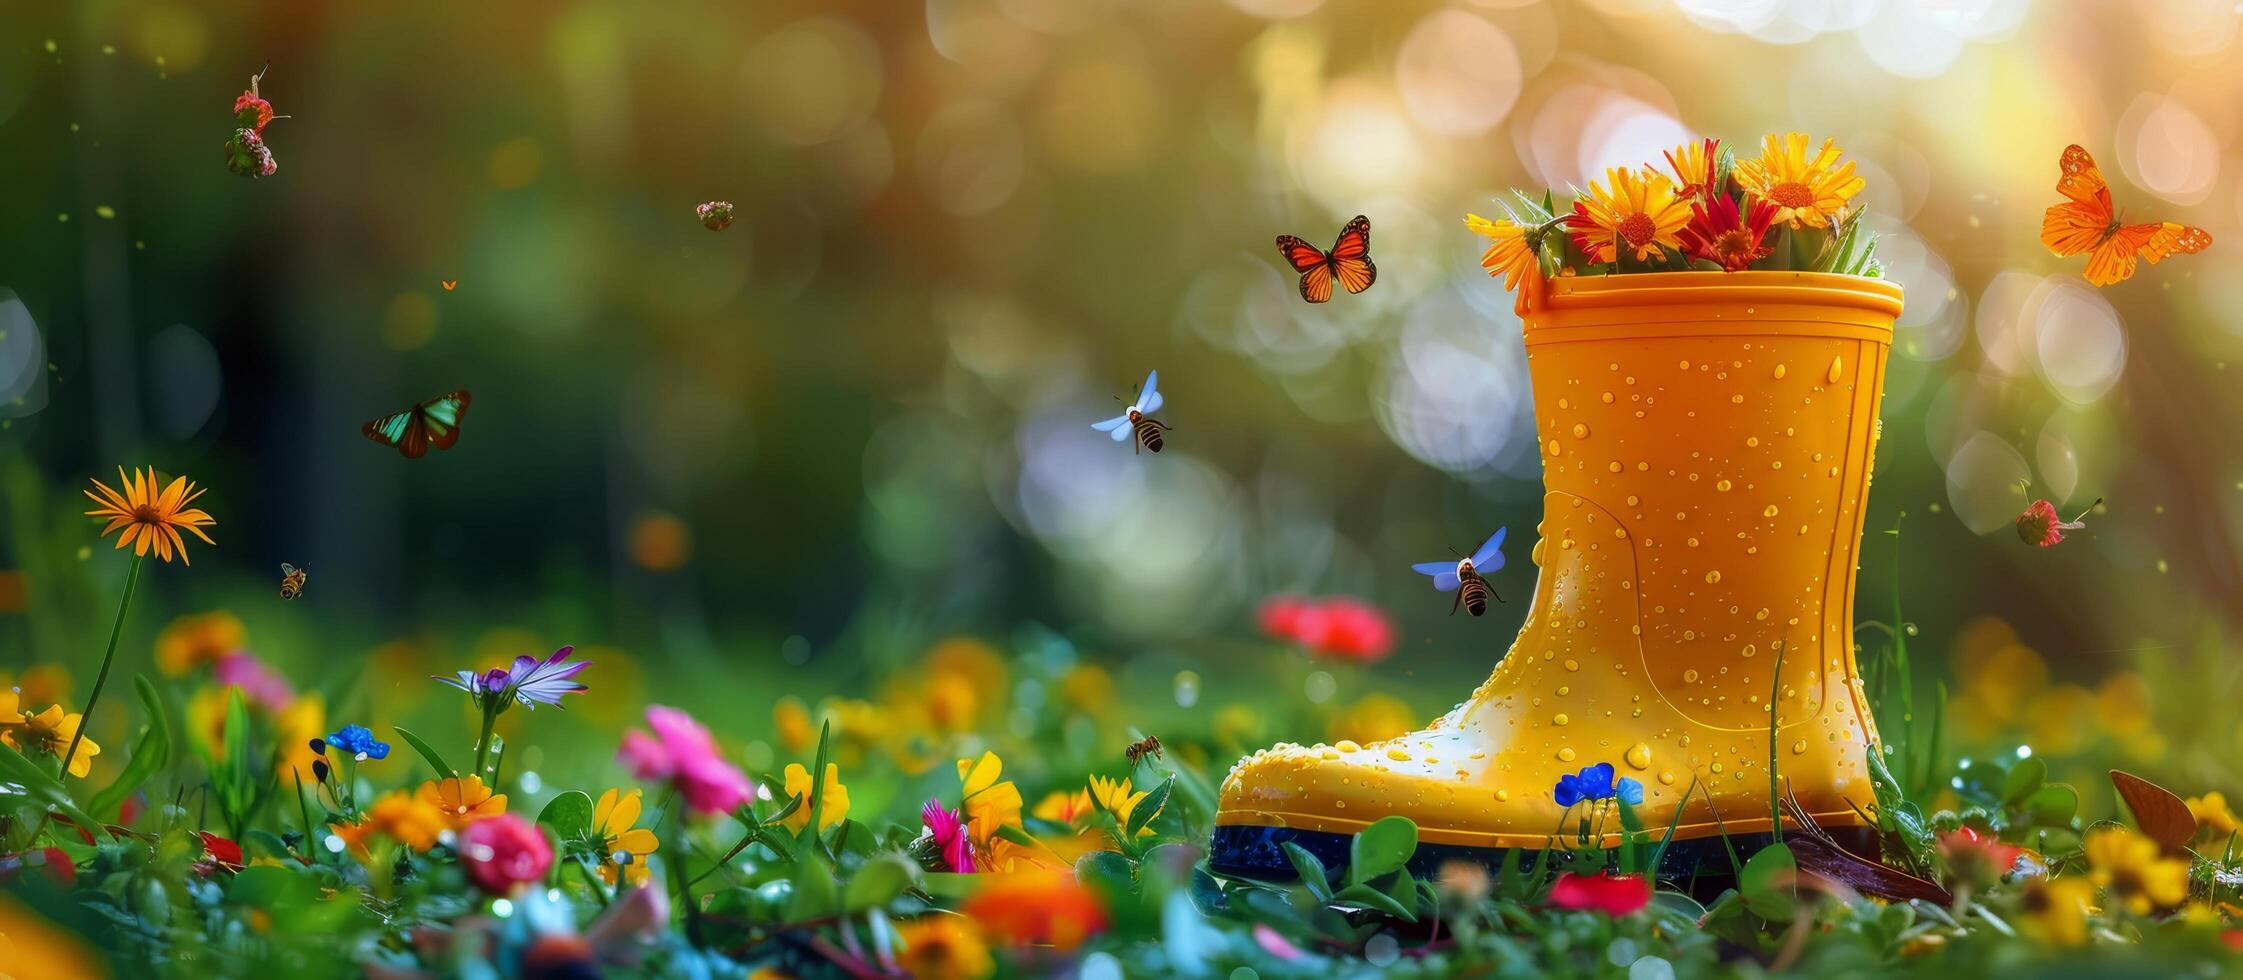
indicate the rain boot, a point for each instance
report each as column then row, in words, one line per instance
column 1706, row 442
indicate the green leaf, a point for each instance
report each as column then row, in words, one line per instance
column 1150, row 806
column 1403, row 890
column 2052, row 805
column 435, row 761
column 41, row 787
column 1108, row 875
column 815, row 892
column 1381, row 848
column 2023, row 780
column 1767, row 883
column 568, row 815
column 264, row 844
column 878, row 882
column 1310, row 869
column 236, row 738
column 149, row 753
column 268, row 886
column 817, row 791
column 1364, row 896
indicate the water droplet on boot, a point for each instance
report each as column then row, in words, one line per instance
column 1837, row 368
column 1565, row 754
column 1639, row 755
column 1779, row 370
column 1560, row 720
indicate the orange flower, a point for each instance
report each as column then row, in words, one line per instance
column 1808, row 190
column 192, row 641
column 462, row 800
column 151, row 517
column 1512, row 256
column 1036, row 907
column 1061, row 806
column 940, row 946
column 403, row 817
column 1636, row 216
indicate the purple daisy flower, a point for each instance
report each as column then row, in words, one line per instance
column 529, row 681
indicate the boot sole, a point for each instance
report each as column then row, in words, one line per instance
column 1255, row 852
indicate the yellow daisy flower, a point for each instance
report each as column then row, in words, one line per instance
column 151, row 518
column 623, row 845
column 2212, row 814
column 1636, row 215
column 2058, row 909
column 49, row 732
column 1509, row 256
column 833, row 798
column 1114, row 796
column 1809, row 190
column 990, row 803
column 2130, row 869
column 939, row 946
column 1060, row 806
column 462, row 800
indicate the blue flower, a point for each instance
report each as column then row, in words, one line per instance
column 359, row 742
column 1629, row 791
column 1591, row 783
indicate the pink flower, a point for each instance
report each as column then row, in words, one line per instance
column 1280, row 616
column 681, row 753
column 503, row 852
column 1609, row 894
column 2040, row 525
column 949, row 832
column 259, row 684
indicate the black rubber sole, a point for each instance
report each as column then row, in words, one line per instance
column 1254, row 852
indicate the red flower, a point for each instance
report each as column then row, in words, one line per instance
column 218, row 854
column 1280, row 616
column 1339, row 627
column 1724, row 235
column 2042, row 527
column 1609, row 894
column 253, row 112
column 53, row 862
column 1694, row 166
column 503, row 852
column 1976, row 858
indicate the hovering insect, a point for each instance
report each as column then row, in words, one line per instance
column 1463, row 576
column 2086, row 222
column 1349, row 259
column 246, row 153
column 1138, row 420
column 1138, row 751
column 450, row 284
column 291, row 581
column 435, row 422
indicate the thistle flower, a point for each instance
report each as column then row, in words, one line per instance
column 2042, row 527
column 529, row 681
column 947, row 831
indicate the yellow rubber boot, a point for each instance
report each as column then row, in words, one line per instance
column 1706, row 450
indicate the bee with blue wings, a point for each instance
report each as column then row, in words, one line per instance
column 1138, row 419
column 1463, row 576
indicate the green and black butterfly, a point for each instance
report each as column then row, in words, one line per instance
column 435, row 422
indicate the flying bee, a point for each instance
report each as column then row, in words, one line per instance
column 1138, row 751
column 1137, row 420
column 1463, row 576
column 291, row 581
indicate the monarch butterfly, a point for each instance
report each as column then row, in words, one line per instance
column 291, row 581
column 1137, row 420
column 434, row 422
column 2087, row 223
column 1462, row 576
column 1349, row 259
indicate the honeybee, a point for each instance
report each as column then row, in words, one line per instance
column 1138, row 419
column 291, row 581
column 1138, row 751
column 1463, row 576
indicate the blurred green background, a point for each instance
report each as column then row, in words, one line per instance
column 792, row 456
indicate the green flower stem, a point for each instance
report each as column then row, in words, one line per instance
column 109, row 656
column 483, row 745
column 675, row 867
column 592, row 881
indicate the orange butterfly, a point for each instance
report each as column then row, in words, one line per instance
column 2086, row 223
column 1349, row 259
column 449, row 284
